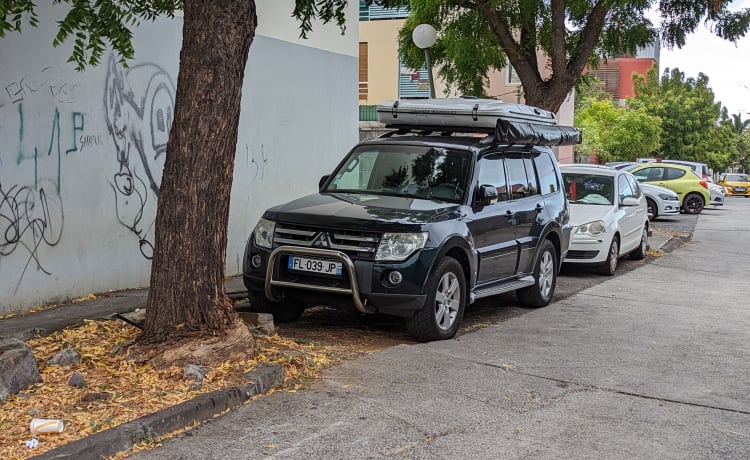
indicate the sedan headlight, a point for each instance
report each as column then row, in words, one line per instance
column 264, row 233
column 595, row 228
column 668, row 197
column 395, row 247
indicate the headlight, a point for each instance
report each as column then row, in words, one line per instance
column 668, row 197
column 395, row 247
column 595, row 228
column 264, row 233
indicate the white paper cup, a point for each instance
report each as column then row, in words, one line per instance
column 46, row 425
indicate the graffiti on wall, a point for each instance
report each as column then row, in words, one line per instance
column 139, row 108
column 29, row 219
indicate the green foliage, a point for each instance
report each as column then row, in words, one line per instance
column 616, row 133
column 92, row 25
column 690, row 117
column 305, row 11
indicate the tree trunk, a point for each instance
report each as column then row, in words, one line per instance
column 186, row 295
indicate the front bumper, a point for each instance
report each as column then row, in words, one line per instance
column 731, row 191
column 363, row 284
column 586, row 249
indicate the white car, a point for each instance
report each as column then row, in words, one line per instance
column 660, row 201
column 608, row 212
column 717, row 193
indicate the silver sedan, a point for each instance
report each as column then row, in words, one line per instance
column 661, row 201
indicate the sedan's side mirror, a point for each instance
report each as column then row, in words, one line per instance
column 322, row 181
column 629, row 201
column 487, row 195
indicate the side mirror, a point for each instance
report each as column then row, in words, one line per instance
column 629, row 201
column 322, row 181
column 487, row 195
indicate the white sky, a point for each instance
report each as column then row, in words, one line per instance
column 726, row 64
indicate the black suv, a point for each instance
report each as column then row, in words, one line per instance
column 418, row 225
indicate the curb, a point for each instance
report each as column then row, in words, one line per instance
column 200, row 409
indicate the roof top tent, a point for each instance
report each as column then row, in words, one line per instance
column 510, row 123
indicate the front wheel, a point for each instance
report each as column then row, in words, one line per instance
column 652, row 209
column 610, row 265
column 545, row 277
column 693, row 203
column 283, row 312
column 446, row 300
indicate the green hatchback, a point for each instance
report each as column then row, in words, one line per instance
column 692, row 189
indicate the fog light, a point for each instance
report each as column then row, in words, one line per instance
column 395, row 277
column 255, row 261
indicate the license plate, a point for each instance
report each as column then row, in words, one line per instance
column 305, row 264
column 739, row 189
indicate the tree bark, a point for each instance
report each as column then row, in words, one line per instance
column 187, row 293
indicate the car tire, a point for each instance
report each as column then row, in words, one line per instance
column 651, row 209
column 640, row 252
column 693, row 203
column 545, row 278
column 443, row 310
column 283, row 312
column 609, row 267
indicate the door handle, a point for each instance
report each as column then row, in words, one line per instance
column 509, row 214
column 539, row 207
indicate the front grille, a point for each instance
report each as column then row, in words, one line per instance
column 581, row 255
column 355, row 244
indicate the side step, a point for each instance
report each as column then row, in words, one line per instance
column 526, row 281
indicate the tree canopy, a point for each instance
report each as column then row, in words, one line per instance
column 689, row 116
column 549, row 43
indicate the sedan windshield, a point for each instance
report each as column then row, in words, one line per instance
column 736, row 178
column 589, row 188
column 404, row 170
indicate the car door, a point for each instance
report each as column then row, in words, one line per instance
column 493, row 226
column 631, row 222
column 528, row 203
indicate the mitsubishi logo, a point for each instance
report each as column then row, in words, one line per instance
column 321, row 241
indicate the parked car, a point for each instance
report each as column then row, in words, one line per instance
column 660, row 201
column 736, row 184
column 692, row 190
column 717, row 193
column 608, row 215
column 422, row 222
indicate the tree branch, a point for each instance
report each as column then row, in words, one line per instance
column 589, row 39
column 559, row 38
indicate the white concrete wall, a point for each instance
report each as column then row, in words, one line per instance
column 81, row 153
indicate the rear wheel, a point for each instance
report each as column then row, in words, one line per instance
column 610, row 265
column 545, row 275
column 693, row 203
column 446, row 300
column 652, row 209
column 283, row 312
column 640, row 251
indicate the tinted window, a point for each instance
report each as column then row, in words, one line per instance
column 492, row 172
column 520, row 186
column 673, row 173
column 649, row 174
column 548, row 182
column 531, row 174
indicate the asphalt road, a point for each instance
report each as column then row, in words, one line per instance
column 651, row 363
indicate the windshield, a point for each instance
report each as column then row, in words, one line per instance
column 404, row 170
column 589, row 188
column 736, row 178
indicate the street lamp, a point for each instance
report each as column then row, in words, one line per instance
column 424, row 36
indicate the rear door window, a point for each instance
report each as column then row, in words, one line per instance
column 673, row 173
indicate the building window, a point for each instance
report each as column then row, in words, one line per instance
column 511, row 77
column 363, row 85
column 413, row 83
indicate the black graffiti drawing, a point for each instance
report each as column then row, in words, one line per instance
column 29, row 219
column 29, row 84
column 259, row 161
column 139, row 108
